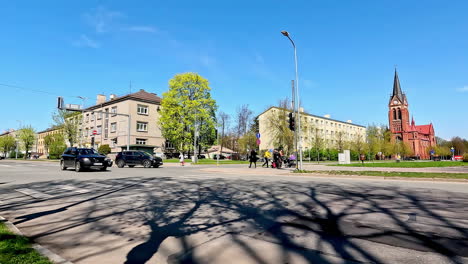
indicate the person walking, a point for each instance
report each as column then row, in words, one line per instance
column 253, row 158
column 266, row 156
column 275, row 159
column 181, row 159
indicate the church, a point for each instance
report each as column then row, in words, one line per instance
column 418, row 138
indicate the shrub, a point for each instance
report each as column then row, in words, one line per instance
column 465, row 157
column 104, row 149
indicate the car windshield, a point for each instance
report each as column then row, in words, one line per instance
column 87, row 151
column 145, row 154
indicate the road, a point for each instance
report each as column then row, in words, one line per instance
column 232, row 214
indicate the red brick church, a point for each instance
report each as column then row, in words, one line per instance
column 419, row 138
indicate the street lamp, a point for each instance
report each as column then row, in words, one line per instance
column 298, row 133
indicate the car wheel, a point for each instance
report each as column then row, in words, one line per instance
column 146, row 163
column 62, row 165
column 120, row 163
column 78, row 166
column 103, row 168
column 131, row 166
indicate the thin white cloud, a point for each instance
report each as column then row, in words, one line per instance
column 207, row 61
column 143, row 29
column 102, row 19
column 85, row 41
column 463, row 89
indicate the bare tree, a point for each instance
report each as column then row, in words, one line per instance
column 243, row 119
column 223, row 121
column 243, row 122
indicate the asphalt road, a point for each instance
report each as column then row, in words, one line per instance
column 205, row 214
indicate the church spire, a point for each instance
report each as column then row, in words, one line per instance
column 396, row 88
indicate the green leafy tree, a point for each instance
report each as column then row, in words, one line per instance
column 56, row 145
column 6, row 144
column 185, row 106
column 278, row 127
column 104, row 149
column 27, row 137
column 317, row 143
column 69, row 122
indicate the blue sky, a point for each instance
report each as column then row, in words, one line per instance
column 347, row 53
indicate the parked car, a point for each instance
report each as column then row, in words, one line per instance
column 132, row 158
column 83, row 158
column 160, row 154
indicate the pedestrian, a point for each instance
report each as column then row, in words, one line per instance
column 276, row 157
column 266, row 156
column 253, row 158
column 181, row 159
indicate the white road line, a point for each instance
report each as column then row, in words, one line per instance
column 73, row 188
column 33, row 193
column 4, row 165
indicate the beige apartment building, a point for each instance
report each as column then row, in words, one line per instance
column 110, row 128
column 40, row 146
column 330, row 130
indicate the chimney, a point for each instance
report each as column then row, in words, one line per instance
column 100, row 99
column 349, row 121
column 327, row 116
column 112, row 97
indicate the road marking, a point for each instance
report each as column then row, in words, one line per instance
column 33, row 193
column 4, row 165
column 73, row 188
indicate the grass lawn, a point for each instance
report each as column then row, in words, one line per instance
column 394, row 174
column 208, row 161
column 15, row 249
column 407, row 164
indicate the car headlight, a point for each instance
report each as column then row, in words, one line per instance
column 85, row 159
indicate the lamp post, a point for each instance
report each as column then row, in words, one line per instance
column 298, row 105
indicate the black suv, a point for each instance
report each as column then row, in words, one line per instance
column 83, row 158
column 134, row 157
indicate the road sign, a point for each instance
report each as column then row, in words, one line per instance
column 258, row 141
column 258, row 135
column 432, row 152
column 94, row 132
column 452, row 149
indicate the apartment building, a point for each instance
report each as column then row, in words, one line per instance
column 330, row 130
column 107, row 127
column 41, row 150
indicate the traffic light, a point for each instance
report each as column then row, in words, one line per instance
column 292, row 123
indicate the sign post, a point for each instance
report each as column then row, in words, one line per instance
column 452, row 149
column 258, row 141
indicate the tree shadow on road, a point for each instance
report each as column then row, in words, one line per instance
column 186, row 221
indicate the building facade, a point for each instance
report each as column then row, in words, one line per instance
column 419, row 138
column 331, row 131
column 107, row 127
column 41, row 149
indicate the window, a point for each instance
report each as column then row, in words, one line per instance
column 99, row 130
column 142, row 126
column 86, row 132
column 142, row 109
column 113, row 127
column 99, row 115
column 141, row 141
column 114, row 110
column 91, row 129
column 87, row 117
column 92, row 117
column 113, row 142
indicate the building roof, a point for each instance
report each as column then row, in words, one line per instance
column 217, row 148
column 7, row 132
column 48, row 130
column 141, row 96
column 397, row 89
column 424, row 129
column 316, row 116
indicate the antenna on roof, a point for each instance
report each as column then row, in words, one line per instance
column 130, row 86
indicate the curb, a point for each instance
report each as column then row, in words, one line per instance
column 40, row 249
